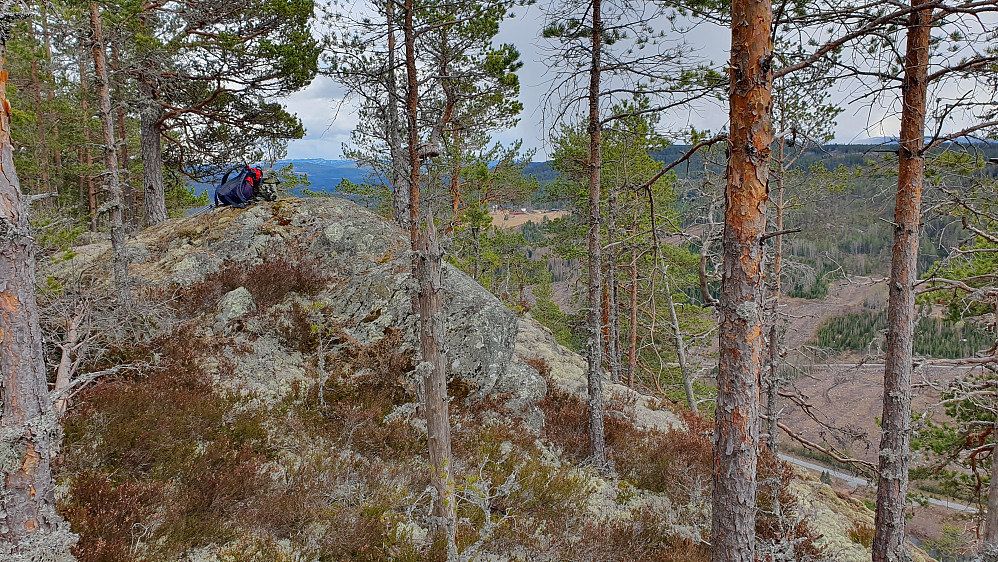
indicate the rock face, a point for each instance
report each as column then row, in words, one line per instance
column 568, row 370
column 367, row 260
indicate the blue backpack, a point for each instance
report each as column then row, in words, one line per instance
column 237, row 186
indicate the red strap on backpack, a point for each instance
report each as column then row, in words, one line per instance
column 254, row 176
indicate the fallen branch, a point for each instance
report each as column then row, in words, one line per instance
column 812, row 445
column 40, row 196
column 85, row 378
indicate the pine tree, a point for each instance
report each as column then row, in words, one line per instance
column 29, row 433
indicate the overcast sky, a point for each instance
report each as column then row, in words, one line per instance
column 329, row 118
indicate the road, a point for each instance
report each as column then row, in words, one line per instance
column 856, row 481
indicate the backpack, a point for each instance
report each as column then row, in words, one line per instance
column 237, row 190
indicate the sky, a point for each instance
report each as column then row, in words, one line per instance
column 329, row 118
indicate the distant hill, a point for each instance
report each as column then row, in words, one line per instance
column 325, row 174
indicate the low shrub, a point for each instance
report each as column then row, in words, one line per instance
column 280, row 273
column 109, row 517
column 778, row 520
column 861, row 533
column 168, row 432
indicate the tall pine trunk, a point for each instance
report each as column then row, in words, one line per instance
column 895, row 441
column 428, row 307
column 85, row 158
column 119, row 261
column 594, row 345
column 736, row 434
column 122, row 134
column 632, row 338
column 613, row 351
column 43, row 153
column 29, row 525
column 775, row 289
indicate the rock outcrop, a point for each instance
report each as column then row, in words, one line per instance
column 308, row 472
column 367, row 262
column 568, row 370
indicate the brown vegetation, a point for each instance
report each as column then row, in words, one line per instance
column 278, row 274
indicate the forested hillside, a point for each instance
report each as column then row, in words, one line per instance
column 426, row 345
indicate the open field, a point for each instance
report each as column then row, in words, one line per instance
column 846, row 392
column 502, row 219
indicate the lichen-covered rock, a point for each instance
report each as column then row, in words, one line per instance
column 368, row 262
column 568, row 370
column 234, row 304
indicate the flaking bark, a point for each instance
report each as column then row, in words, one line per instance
column 594, row 347
column 736, row 435
column 29, row 525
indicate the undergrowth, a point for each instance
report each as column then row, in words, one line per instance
column 677, row 463
column 277, row 275
column 160, row 464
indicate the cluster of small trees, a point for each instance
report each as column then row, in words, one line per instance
column 190, row 89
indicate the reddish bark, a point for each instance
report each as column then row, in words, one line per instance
column 26, row 490
column 892, row 485
column 736, row 434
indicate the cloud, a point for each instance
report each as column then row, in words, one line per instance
column 328, row 120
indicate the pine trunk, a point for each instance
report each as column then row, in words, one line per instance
column 594, row 355
column 30, row 432
column 87, row 180
column 632, row 336
column 122, row 134
column 632, row 343
column 429, row 308
column 119, row 261
column 400, row 174
column 892, row 485
column 991, row 516
column 53, row 117
column 153, row 187
column 613, row 298
column 736, row 434
column 677, row 334
column 43, row 154
column 775, row 288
